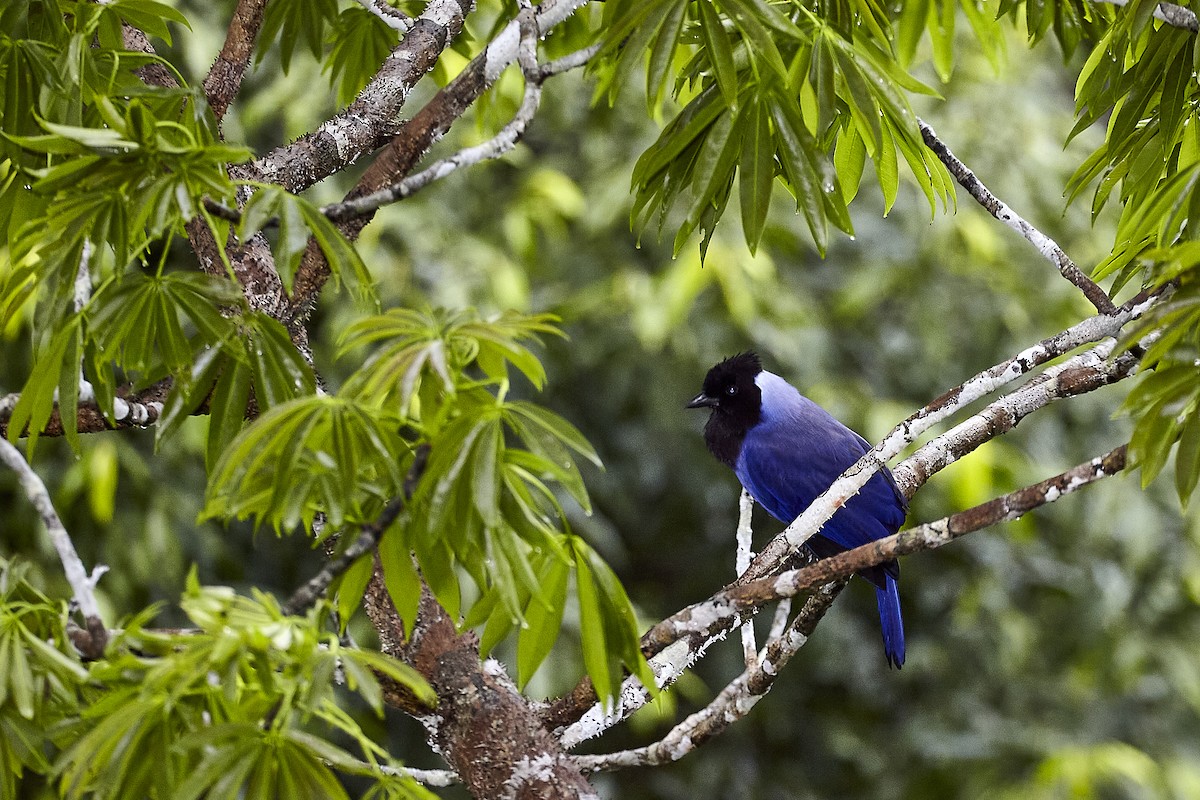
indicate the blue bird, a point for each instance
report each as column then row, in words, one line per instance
column 786, row 450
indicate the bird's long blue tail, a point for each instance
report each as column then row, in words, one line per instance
column 892, row 622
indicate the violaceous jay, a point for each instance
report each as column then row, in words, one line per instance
column 786, row 450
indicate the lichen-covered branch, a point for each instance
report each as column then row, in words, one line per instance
column 1174, row 15
column 368, row 122
column 394, row 18
column 132, row 411
column 932, row 535
column 1091, row 330
column 734, row 701
column 493, row 148
column 1000, row 210
column 713, row 618
column 92, row 641
column 414, row 138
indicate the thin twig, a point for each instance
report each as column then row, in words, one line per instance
column 569, row 62
column 304, row 597
column 394, row 18
column 734, row 701
column 91, row 643
column 1000, row 210
column 745, row 542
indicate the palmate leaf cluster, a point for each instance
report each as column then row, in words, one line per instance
column 482, row 505
column 100, row 173
column 243, row 705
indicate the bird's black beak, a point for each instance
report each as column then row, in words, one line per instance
column 703, row 401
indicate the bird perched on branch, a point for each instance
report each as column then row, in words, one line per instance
column 786, row 450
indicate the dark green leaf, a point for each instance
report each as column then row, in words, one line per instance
column 720, row 51
column 757, row 171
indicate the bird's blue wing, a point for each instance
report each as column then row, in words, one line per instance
column 785, row 472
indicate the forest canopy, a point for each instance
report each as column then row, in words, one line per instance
column 345, row 354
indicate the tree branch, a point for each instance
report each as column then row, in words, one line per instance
column 416, row 136
column 135, row 411
column 734, row 701
column 1174, row 15
column 1084, row 373
column 92, row 641
column 394, row 18
column 713, row 618
column 998, row 209
column 494, row 148
column 224, row 78
column 1093, row 329
column 931, row 535
column 370, row 120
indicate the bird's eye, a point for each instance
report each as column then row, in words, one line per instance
column 731, row 391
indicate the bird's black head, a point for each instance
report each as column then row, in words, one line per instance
column 736, row 403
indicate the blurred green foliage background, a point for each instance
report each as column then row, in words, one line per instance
column 1058, row 656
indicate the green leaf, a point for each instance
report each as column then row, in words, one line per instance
column 720, row 51
column 400, row 576
column 608, row 625
column 1187, row 457
column 485, row 475
column 280, row 372
column 543, row 618
column 591, row 628
column 350, row 590
column 662, row 54
column 849, row 159
column 757, row 171
column 227, row 413
column 59, row 358
column 149, row 16
column 941, row 30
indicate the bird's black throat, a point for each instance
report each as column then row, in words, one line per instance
column 724, row 433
